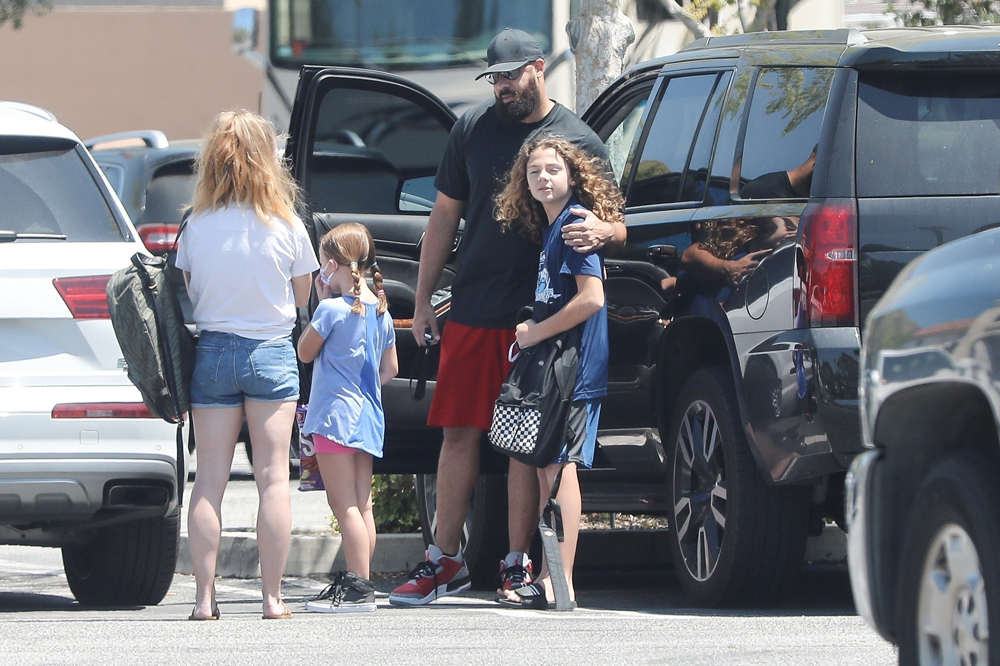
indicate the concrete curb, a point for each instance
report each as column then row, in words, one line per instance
column 317, row 555
column 310, row 554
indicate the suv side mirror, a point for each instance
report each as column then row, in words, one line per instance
column 245, row 28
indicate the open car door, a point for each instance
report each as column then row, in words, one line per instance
column 364, row 147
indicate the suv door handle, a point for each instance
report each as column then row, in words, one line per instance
column 662, row 251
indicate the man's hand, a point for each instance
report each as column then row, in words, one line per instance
column 424, row 318
column 737, row 269
column 592, row 233
column 526, row 334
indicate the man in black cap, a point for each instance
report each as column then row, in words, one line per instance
column 496, row 278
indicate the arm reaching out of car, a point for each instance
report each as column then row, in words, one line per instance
column 705, row 266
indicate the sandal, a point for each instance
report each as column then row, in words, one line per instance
column 530, row 596
column 287, row 615
column 216, row 614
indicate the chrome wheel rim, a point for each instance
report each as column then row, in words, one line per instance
column 952, row 621
column 699, row 491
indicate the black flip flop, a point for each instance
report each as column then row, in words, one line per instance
column 530, row 596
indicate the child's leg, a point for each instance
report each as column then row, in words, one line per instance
column 364, row 492
column 571, row 505
column 340, row 473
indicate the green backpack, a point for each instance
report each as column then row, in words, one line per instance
column 159, row 349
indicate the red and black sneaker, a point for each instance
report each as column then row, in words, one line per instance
column 515, row 576
column 430, row 580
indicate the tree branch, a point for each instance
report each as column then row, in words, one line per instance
column 696, row 27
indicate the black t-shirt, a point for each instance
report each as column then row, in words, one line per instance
column 774, row 185
column 498, row 269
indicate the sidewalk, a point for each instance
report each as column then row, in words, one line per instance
column 315, row 549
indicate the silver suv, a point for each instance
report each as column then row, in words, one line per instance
column 83, row 465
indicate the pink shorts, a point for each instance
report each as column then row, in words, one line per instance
column 323, row 445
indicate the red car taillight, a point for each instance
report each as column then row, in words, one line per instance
column 159, row 238
column 102, row 410
column 829, row 294
column 86, row 297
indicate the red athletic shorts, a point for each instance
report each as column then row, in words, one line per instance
column 471, row 371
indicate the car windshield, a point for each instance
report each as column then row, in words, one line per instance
column 46, row 188
column 390, row 34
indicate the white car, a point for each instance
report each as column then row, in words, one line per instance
column 83, row 465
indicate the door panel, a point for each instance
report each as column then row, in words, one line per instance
column 365, row 148
column 641, row 278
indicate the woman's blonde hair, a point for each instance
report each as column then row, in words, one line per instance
column 516, row 208
column 239, row 165
column 351, row 244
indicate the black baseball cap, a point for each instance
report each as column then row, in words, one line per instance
column 509, row 50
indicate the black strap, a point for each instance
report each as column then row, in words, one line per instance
column 552, row 513
column 168, row 370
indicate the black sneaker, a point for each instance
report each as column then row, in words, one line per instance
column 348, row 593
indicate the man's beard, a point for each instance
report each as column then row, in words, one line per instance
column 523, row 104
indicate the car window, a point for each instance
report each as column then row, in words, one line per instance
column 619, row 132
column 665, row 150
column 696, row 176
column 169, row 192
column 367, row 144
column 46, row 188
column 928, row 134
column 115, row 174
column 782, row 132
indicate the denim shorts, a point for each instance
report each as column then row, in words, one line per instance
column 229, row 369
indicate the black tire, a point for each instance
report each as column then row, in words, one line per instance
column 958, row 505
column 484, row 539
column 127, row 564
column 735, row 540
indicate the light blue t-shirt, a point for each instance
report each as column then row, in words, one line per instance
column 345, row 404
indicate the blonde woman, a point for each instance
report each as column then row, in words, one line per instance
column 248, row 264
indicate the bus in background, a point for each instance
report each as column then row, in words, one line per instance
column 439, row 44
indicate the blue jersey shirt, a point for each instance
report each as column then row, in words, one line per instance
column 345, row 404
column 557, row 267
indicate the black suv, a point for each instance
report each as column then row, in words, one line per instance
column 775, row 184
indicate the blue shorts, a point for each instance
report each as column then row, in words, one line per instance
column 581, row 427
column 229, row 369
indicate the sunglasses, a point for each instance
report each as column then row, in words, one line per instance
column 512, row 75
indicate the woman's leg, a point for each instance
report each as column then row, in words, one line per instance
column 217, row 430
column 341, row 473
column 270, row 426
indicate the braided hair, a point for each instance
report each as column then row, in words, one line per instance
column 351, row 244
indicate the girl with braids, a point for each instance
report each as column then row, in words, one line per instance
column 351, row 339
column 550, row 177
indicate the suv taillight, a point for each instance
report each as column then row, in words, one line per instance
column 102, row 410
column 159, row 238
column 829, row 292
column 86, row 297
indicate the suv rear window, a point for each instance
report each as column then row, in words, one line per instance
column 46, row 188
column 923, row 134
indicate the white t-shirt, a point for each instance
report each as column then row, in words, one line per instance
column 241, row 270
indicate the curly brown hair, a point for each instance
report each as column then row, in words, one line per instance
column 517, row 209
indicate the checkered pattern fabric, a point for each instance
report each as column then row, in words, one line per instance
column 515, row 428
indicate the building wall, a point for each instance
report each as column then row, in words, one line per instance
column 110, row 69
